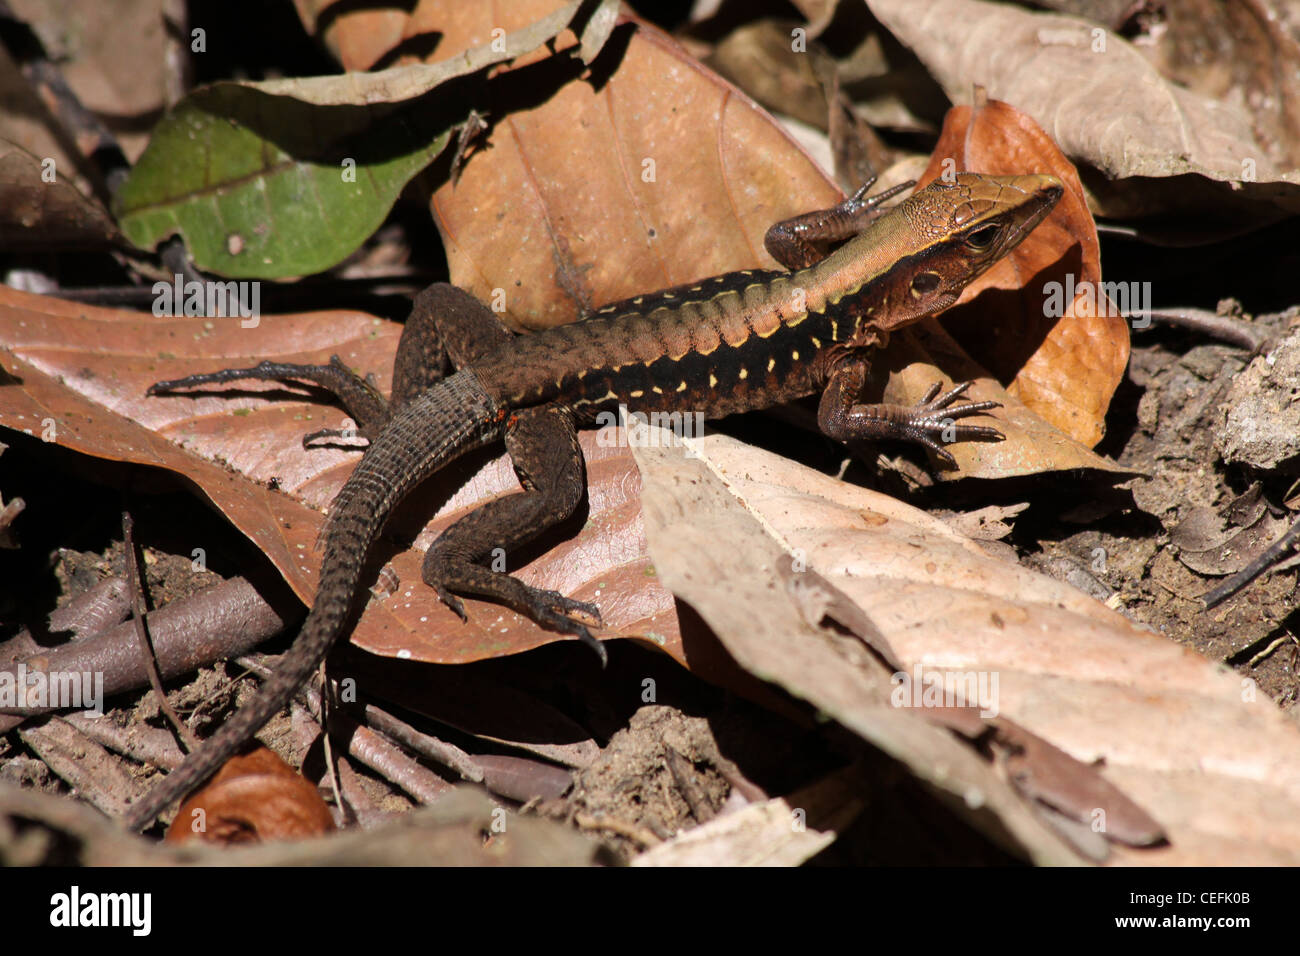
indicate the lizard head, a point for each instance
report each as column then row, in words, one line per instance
column 929, row 247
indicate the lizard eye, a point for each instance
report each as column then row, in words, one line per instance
column 983, row 237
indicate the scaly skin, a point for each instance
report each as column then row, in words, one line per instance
column 733, row 343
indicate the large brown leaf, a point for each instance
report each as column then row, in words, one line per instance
column 1161, row 147
column 79, row 379
column 1196, row 746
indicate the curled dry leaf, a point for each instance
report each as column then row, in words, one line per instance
column 253, row 798
column 1048, row 774
column 1223, row 541
column 1037, row 769
column 1211, row 761
column 79, row 376
column 1039, row 319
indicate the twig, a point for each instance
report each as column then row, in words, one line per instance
column 1221, row 327
column 187, row 736
column 103, row 605
column 620, row 827
column 1253, row 570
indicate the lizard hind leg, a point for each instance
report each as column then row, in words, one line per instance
column 446, row 330
column 543, row 444
column 447, row 327
column 356, row 394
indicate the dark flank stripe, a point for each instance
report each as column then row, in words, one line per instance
column 638, row 354
column 713, row 381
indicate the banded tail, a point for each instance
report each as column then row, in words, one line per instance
column 443, row 422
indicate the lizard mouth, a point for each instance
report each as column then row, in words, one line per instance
column 1048, row 197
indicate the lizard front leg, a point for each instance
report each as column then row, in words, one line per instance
column 802, row 240
column 841, row 416
column 543, row 445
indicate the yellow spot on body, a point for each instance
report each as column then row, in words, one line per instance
column 816, row 342
column 771, row 364
column 637, row 394
column 744, row 374
column 638, row 300
column 657, row 390
column 794, row 354
column 681, row 387
column 835, row 330
column 713, row 380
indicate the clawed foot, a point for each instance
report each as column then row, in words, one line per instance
column 931, row 421
column 551, row 609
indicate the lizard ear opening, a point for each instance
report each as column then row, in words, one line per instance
column 923, row 283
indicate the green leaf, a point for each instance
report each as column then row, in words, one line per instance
column 287, row 178
column 268, row 186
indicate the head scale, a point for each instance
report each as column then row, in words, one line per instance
column 945, row 235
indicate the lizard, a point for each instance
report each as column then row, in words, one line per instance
column 736, row 342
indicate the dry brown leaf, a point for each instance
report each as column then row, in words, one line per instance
column 38, row 214
column 607, row 188
column 726, row 563
column 1219, row 541
column 1254, row 46
column 1102, row 101
column 254, row 798
column 1193, row 744
column 79, row 379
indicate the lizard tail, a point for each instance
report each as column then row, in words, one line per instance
column 450, row 418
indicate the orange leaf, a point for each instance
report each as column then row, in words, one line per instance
column 253, row 798
column 1065, row 367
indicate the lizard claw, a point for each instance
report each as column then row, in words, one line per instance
column 931, row 422
column 453, row 602
column 554, row 611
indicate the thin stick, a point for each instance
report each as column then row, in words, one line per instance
column 188, row 739
column 1253, row 570
column 1221, row 327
